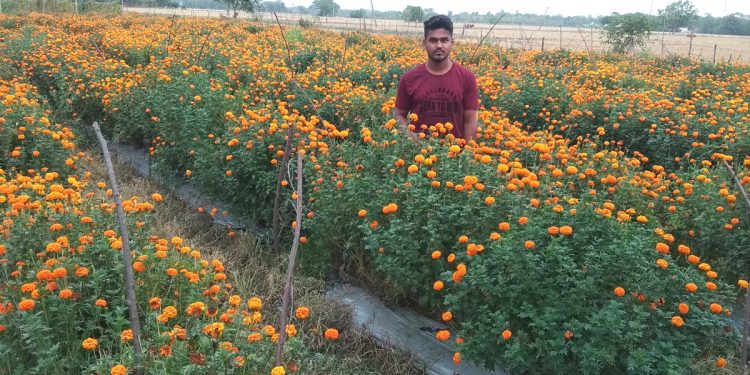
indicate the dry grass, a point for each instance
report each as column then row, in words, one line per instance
column 509, row 36
column 254, row 271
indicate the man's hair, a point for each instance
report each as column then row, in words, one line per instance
column 439, row 21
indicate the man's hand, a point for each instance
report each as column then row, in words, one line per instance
column 403, row 123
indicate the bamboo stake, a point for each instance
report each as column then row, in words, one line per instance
column 286, row 299
column 485, row 36
column 288, row 145
column 135, row 325
column 746, row 322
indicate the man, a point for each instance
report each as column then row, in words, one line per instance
column 440, row 90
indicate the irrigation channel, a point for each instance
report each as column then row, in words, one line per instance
column 391, row 326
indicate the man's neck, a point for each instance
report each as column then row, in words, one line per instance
column 438, row 68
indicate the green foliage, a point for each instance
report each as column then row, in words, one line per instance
column 413, row 14
column 626, row 32
column 249, row 6
column 326, row 7
column 678, row 14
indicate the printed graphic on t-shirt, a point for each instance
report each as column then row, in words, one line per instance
column 438, row 103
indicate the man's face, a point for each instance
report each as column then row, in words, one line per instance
column 438, row 44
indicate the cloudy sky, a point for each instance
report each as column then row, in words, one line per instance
column 564, row 7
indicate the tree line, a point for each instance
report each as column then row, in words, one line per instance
column 678, row 16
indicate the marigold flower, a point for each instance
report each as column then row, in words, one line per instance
column 619, row 291
column 742, row 283
column 691, row 287
column 438, row 285
column 118, row 370
column 443, row 335
column 447, row 316
column 721, row 362
column 716, row 308
column 90, row 343
column 126, row 335
column 26, row 305
column 302, row 312
column 254, row 303
column 101, row 302
column 65, row 294
column 677, row 321
column 683, row 308
column 507, row 334
column 278, row 370
column 331, row 334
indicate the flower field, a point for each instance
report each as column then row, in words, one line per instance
column 591, row 228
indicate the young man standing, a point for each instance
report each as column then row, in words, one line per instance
column 440, row 90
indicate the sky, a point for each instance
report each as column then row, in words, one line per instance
column 718, row 8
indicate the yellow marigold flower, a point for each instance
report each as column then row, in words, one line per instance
column 254, row 303
column 278, row 370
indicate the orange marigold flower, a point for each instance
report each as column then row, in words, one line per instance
column 507, row 334
column 677, row 321
column 331, row 334
column 566, row 230
column 683, row 308
column 154, row 303
column 438, row 285
column 447, row 316
column 118, row 370
column 26, row 305
column 742, row 283
column 278, row 370
column 721, row 362
column 436, row 254
column 710, row 286
column 619, row 291
column 126, row 335
column 691, row 287
column 716, row 308
column 139, row 266
column 156, row 197
column 443, row 335
column 302, row 312
column 101, row 302
column 65, row 294
column 504, row 226
column 362, row 213
column 662, row 263
column 90, row 344
column 662, row 248
column 529, row 244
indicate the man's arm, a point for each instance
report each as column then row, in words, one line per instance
column 471, row 123
column 403, row 123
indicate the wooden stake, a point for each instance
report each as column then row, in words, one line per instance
column 135, row 325
column 286, row 300
column 714, row 59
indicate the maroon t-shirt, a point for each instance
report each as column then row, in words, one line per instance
column 438, row 98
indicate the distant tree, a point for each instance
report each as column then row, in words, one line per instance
column 678, row 14
column 626, row 32
column 326, row 7
column 274, row 6
column 359, row 13
column 242, row 5
column 734, row 24
column 413, row 14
